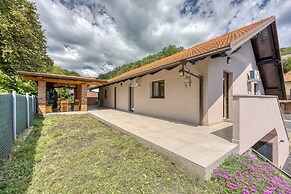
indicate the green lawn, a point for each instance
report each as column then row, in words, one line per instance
column 78, row 154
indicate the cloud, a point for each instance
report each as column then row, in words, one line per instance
column 94, row 36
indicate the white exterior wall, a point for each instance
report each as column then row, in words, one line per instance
column 179, row 104
column 122, row 96
column 182, row 104
column 241, row 63
column 254, row 118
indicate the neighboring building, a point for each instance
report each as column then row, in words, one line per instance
column 287, row 78
column 92, row 98
column 226, row 79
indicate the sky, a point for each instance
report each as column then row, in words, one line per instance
column 95, row 36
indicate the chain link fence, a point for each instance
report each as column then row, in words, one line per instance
column 21, row 114
column 6, row 125
column 16, row 114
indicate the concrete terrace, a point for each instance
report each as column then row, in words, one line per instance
column 197, row 149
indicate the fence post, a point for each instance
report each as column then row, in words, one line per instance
column 14, row 114
column 27, row 109
column 32, row 108
column 34, row 104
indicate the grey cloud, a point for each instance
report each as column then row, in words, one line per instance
column 103, row 34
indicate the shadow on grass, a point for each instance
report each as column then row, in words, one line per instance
column 17, row 170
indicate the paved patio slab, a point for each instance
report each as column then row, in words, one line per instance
column 198, row 149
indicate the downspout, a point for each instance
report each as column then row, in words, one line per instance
column 200, row 77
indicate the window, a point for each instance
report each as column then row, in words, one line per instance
column 158, row 89
column 105, row 94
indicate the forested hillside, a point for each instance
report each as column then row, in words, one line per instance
column 58, row 70
column 22, row 46
column 167, row 51
column 285, row 51
column 287, row 64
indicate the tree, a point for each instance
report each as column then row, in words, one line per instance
column 10, row 83
column 285, row 51
column 167, row 51
column 22, row 40
column 287, row 64
column 22, row 45
column 58, row 70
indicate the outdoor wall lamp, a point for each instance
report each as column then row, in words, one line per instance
column 181, row 72
column 185, row 71
column 187, row 81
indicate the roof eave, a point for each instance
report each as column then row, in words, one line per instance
column 277, row 51
column 248, row 35
column 213, row 52
column 24, row 73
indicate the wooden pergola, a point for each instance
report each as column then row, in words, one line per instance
column 79, row 84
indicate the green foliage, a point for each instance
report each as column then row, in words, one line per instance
column 22, row 40
column 58, row 70
column 22, row 46
column 64, row 93
column 10, row 83
column 167, row 51
column 287, row 64
column 285, row 51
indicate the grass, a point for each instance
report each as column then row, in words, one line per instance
column 78, row 154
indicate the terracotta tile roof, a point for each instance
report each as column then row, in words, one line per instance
column 208, row 46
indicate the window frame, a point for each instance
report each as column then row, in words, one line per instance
column 160, row 93
column 105, row 94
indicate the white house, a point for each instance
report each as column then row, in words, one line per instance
column 236, row 77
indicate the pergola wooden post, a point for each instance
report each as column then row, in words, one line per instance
column 80, row 85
